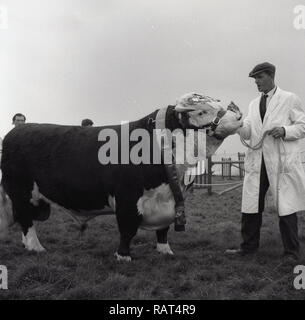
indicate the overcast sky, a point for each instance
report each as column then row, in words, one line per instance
column 113, row 60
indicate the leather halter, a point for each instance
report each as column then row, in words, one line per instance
column 211, row 126
column 214, row 124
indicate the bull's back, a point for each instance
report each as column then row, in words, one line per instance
column 63, row 160
column 50, row 145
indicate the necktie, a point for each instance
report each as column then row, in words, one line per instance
column 262, row 106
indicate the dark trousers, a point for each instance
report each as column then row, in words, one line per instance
column 251, row 223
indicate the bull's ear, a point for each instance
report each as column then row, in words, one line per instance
column 183, row 108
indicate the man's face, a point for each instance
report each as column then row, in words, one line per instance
column 264, row 82
column 19, row 120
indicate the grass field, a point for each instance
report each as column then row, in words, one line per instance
column 83, row 267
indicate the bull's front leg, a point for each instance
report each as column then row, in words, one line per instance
column 128, row 222
column 162, row 243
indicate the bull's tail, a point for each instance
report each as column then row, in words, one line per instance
column 6, row 213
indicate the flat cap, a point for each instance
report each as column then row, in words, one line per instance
column 265, row 66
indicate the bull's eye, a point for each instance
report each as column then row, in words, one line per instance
column 201, row 113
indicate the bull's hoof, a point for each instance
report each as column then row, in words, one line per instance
column 122, row 258
column 164, row 248
column 38, row 249
column 31, row 242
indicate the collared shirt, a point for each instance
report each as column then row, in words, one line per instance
column 270, row 95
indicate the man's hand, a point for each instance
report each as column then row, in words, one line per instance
column 241, row 123
column 277, row 132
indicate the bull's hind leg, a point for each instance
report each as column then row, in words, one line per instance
column 24, row 213
column 128, row 222
column 31, row 241
column 162, row 243
column 23, row 216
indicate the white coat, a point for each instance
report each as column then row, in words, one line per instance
column 282, row 157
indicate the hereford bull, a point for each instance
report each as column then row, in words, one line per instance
column 64, row 163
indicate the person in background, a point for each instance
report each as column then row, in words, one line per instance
column 87, row 123
column 18, row 119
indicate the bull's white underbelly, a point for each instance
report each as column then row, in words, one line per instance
column 157, row 206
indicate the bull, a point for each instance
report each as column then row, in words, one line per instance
column 63, row 161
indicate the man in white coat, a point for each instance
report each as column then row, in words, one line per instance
column 277, row 118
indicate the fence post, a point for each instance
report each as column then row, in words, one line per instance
column 209, row 175
column 226, row 168
column 230, row 169
column 241, row 157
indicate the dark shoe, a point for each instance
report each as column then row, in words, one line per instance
column 239, row 252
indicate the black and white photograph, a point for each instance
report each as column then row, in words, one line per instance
column 152, row 153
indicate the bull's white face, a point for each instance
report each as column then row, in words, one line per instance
column 203, row 116
column 200, row 110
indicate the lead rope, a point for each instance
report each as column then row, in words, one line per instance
column 282, row 169
column 282, row 165
column 258, row 145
